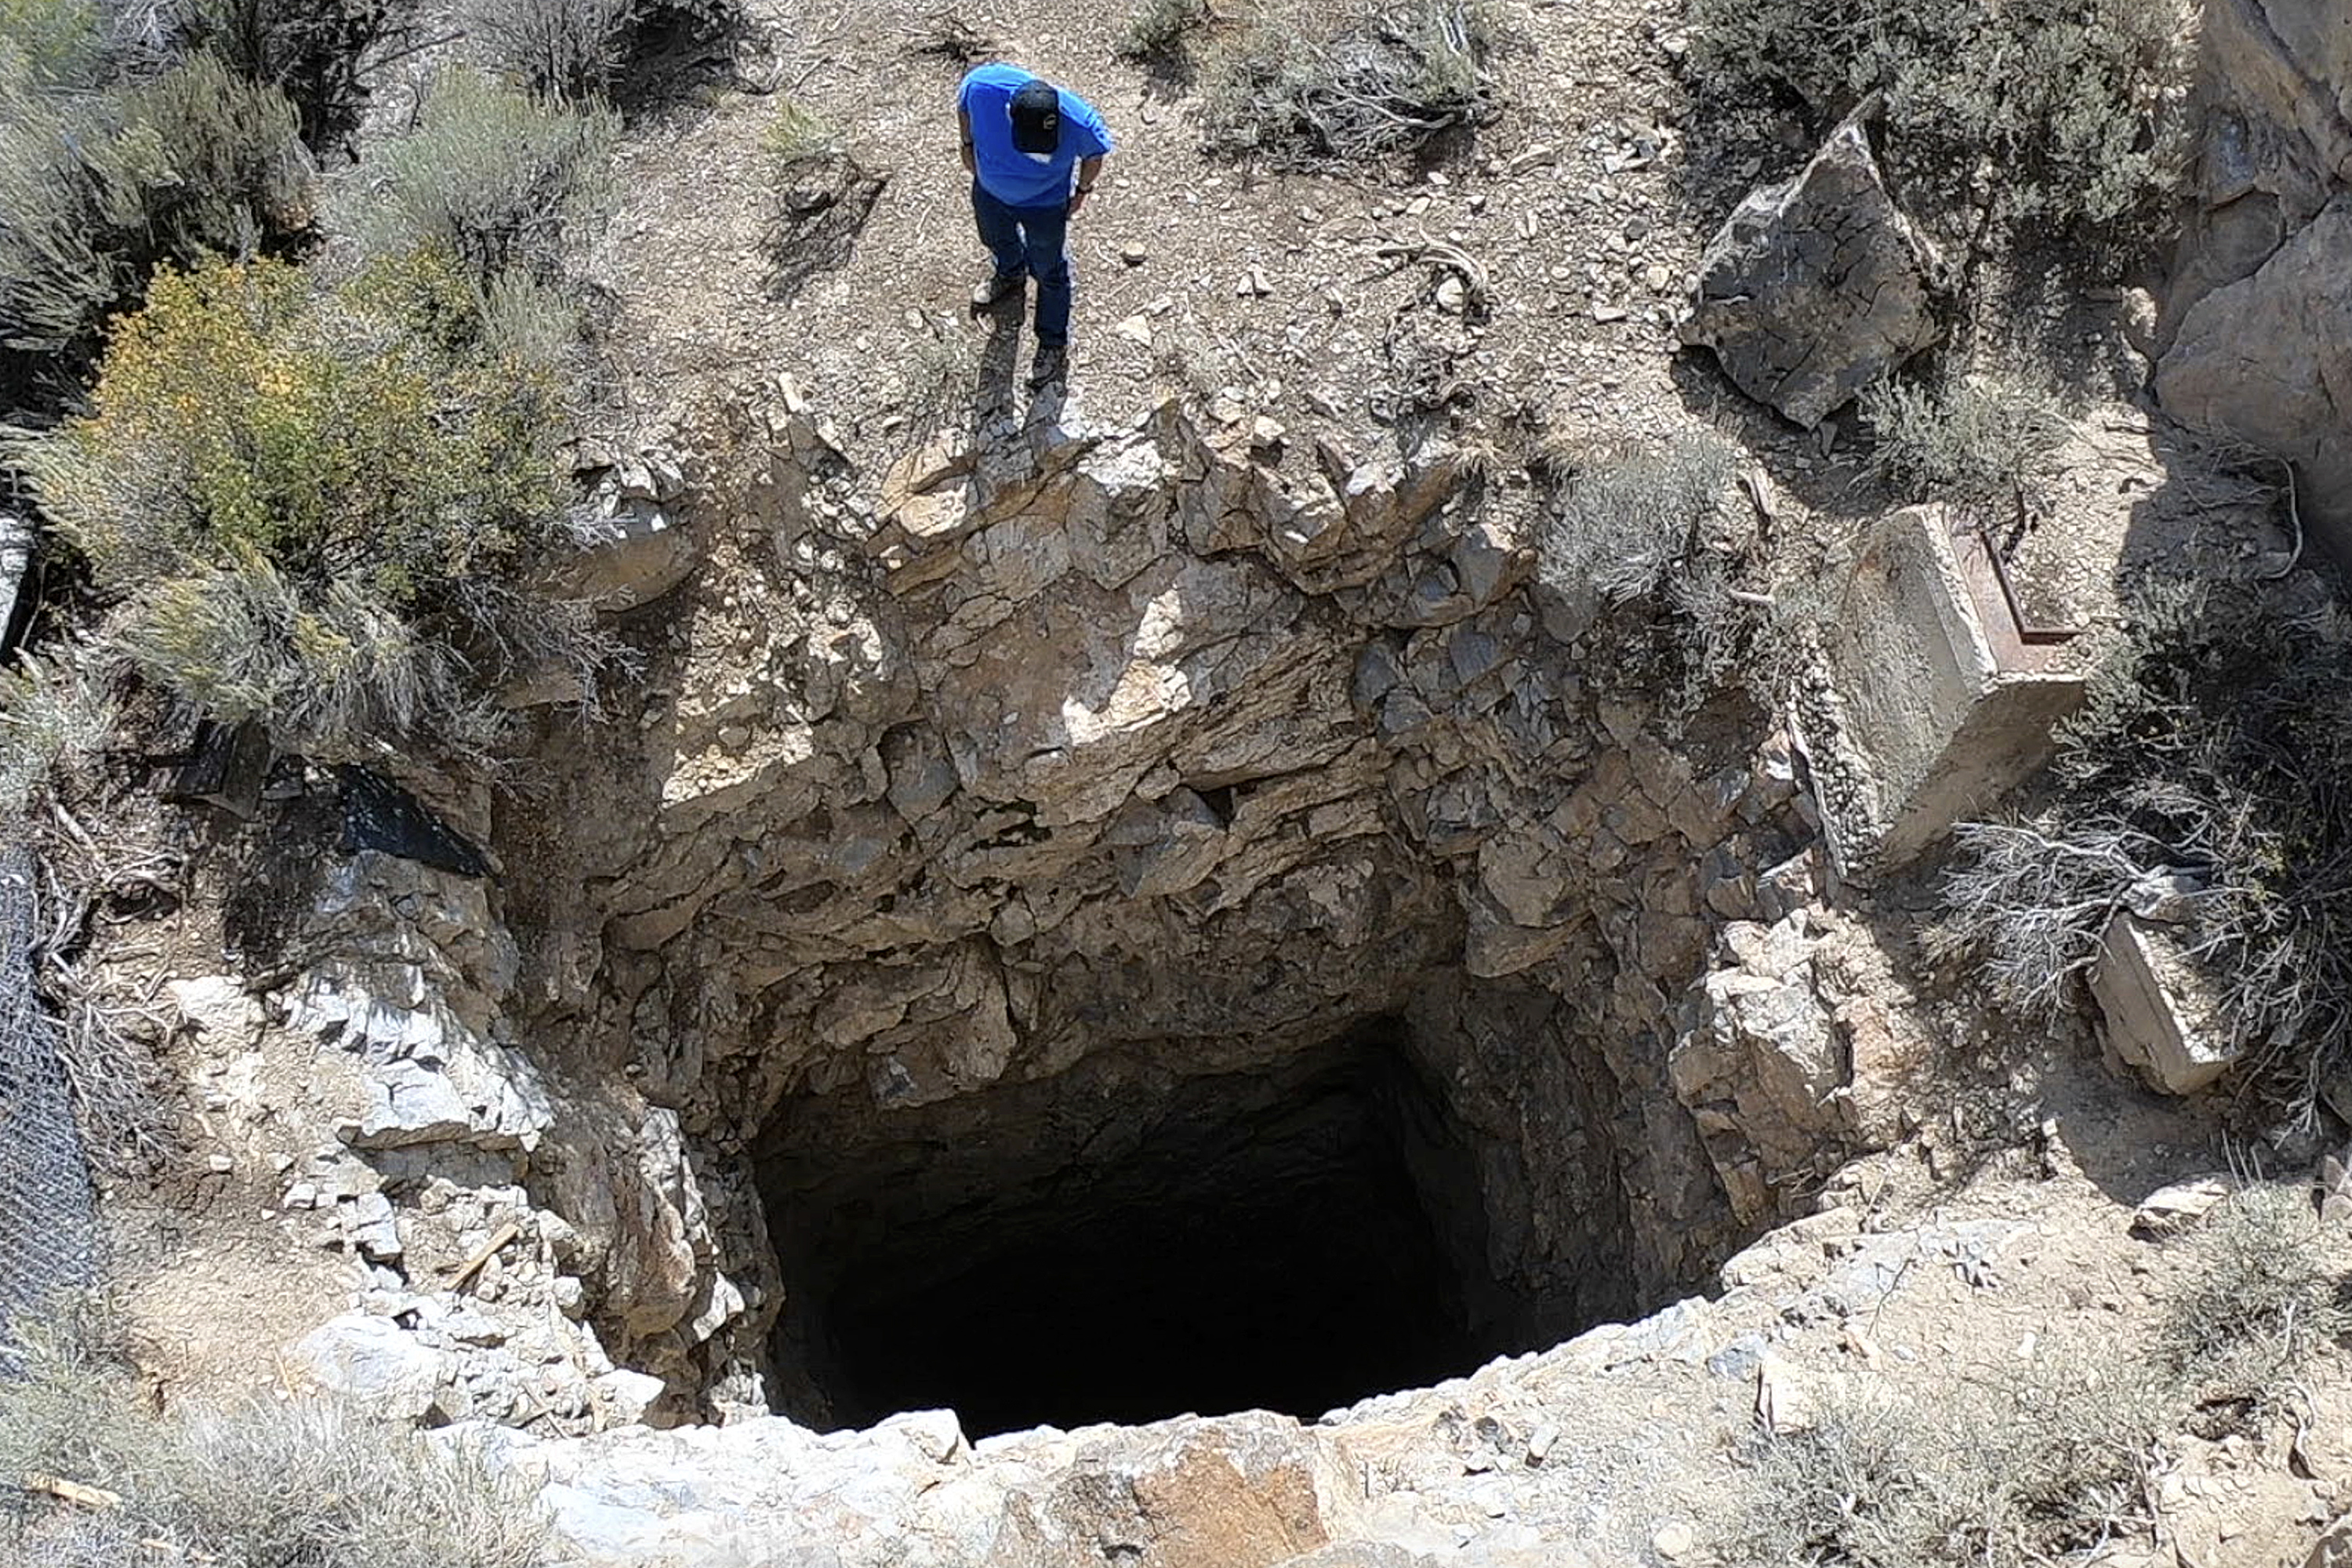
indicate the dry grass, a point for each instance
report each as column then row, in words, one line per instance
column 1302, row 85
column 250, row 1485
column 2017, row 1468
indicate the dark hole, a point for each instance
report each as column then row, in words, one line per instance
column 1101, row 1247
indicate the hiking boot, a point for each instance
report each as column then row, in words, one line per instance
column 1053, row 362
column 999, row 287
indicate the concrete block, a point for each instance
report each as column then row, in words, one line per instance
column 1942, row 709
column 2154, row 1012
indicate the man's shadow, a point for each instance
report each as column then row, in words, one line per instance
column 997, row 388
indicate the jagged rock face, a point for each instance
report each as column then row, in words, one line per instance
column 1169, row 752
column 2256, row 324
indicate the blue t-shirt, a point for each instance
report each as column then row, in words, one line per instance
column 1026, row 179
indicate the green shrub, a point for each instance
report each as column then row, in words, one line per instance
column 2062, row 102
column 1157, row 29
column 301, row 492
column 98, row 188
column 1979, row 444
column 251, row 1484
column 1301, row 84
column 493, row 176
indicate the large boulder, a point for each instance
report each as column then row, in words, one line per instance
column 2254, row 340
column 1818, row 286
column 371, row 1361
column 2267, row 360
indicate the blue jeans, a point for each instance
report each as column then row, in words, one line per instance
column 1031, row 240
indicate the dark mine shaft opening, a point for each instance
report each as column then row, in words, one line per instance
column 1115, row 1245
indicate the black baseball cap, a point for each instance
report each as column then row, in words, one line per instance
column 1037, row 117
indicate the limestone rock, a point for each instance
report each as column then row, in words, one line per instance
column 2332, row 1548
column 410, row 1104
column 2252, row 329
column 639, row 550
column 1815, row 287
column 2172, row 1209
column 371, row 1361
column 1793, row 1051
column 2267, row 360
column 220, row 1009
column 2156, row 1013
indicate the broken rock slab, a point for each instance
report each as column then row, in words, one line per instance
column 1816, row 286
column 2154, row 1012
column 1935, row 722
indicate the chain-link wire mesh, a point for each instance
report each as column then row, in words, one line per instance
column 48, row 1213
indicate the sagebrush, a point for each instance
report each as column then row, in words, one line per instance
column 577, row 50
column 1300, row 84
column 99, row 184
column 2010, row 1470
column 1658, row 529
column 499, row 179
column 259, row 1483
column 2264, row 1294
column 570, row 48
column 2198, row 786
column 54, row 717
column 312, row 51
column 1157, row 29
column 1982, row 445
column 310, row 497
column 2067, row 108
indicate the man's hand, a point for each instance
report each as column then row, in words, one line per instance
column 1090, row 170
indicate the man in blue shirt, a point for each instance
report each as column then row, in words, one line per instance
column 1034, row 153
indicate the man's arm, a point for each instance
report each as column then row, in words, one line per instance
column 1090, row 170
column 963, row 138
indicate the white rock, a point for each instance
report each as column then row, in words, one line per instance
column 371, row 1361
column 626, row 1396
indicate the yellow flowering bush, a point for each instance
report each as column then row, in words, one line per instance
column 314, row 500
